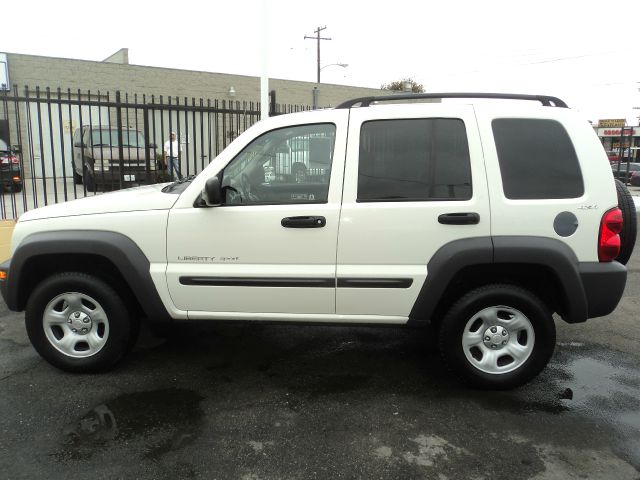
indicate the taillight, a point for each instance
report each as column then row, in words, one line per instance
column 609, row 238
column 9, row 159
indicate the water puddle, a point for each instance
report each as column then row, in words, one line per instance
column 154, row 423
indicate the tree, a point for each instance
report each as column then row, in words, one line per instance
column 398, row 85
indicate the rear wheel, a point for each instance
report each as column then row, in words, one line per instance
column 78, row 323
column 629, row 222
column 497, row 337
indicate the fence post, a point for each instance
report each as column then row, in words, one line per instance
column 272, row 103
column 147, row 143
column 120, row 147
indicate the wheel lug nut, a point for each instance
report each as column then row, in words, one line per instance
column 69, row 321
column 504, row 343
column 504, row 333
column 493, row 346
column 84, row 330
column 74, row 330
column 77, row 314
column 86, row 320
column 494, row 329
column 487, row 338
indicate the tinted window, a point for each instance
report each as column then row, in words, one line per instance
column 414, row 159
column 109, row 138
column 537, row 159
column 288, row 165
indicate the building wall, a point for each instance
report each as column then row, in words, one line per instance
column 65, row 73
column 38, row 131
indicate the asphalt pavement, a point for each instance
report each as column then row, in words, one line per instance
column 281, row 402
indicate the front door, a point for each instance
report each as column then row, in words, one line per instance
column 269, row 251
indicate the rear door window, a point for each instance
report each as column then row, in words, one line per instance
column 414, row 160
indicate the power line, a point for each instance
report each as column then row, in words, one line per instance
column 318, row 38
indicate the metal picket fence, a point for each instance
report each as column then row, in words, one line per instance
column 61, row 145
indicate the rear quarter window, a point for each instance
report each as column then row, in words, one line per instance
column 537, row 159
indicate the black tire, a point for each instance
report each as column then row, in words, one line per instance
column 502, row 296
column 122, row 328
column 629, row 223
column 77, row 178
column 88, row 180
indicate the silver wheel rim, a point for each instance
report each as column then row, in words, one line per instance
column 498, row 340
column 76, row 324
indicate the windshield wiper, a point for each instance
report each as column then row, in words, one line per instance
column 172, row 186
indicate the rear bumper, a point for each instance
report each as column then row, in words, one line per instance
column 603, row 285
column 10, row 176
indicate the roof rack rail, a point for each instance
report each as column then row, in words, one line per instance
column 546, row 100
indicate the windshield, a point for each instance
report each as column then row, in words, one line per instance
column 109, row 138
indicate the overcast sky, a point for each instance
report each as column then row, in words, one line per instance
column 585, row 52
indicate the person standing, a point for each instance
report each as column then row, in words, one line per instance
column 172, row 155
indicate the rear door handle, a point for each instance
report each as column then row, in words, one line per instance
column 467, row 218
column 303, row 222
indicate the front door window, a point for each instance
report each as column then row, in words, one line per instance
column 283, row 166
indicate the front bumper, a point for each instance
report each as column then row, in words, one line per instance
column 113, row 176
column 603, row 285
column 4, row 281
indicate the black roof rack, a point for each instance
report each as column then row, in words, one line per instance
column 546, row 100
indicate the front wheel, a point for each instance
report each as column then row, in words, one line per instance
column 78, row 323
column 497, row 337
column 88, row 180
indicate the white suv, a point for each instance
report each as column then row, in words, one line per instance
column 481, row 219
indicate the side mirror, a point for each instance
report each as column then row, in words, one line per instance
column 16, row 149
column 212, row 192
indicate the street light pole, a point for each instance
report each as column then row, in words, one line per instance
column 318, row 38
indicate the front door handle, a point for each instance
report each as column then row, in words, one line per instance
column 303, row 222
column 467, row 218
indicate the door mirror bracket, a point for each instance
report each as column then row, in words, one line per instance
column 211, row 195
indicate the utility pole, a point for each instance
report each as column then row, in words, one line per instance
column 317, row 37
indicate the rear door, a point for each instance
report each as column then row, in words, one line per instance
column 414, row 181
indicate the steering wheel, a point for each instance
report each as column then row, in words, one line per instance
column 231, row 198
column 246, row 188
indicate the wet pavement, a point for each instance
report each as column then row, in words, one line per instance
column 276, row 402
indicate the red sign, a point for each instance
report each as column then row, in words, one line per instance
column 617, row 132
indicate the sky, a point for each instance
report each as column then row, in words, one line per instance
column 585, row 52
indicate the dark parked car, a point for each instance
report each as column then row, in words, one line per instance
column 10, row 171
column 622, row 174
column 635, row 178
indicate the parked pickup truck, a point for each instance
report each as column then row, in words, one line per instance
column 479, row 219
